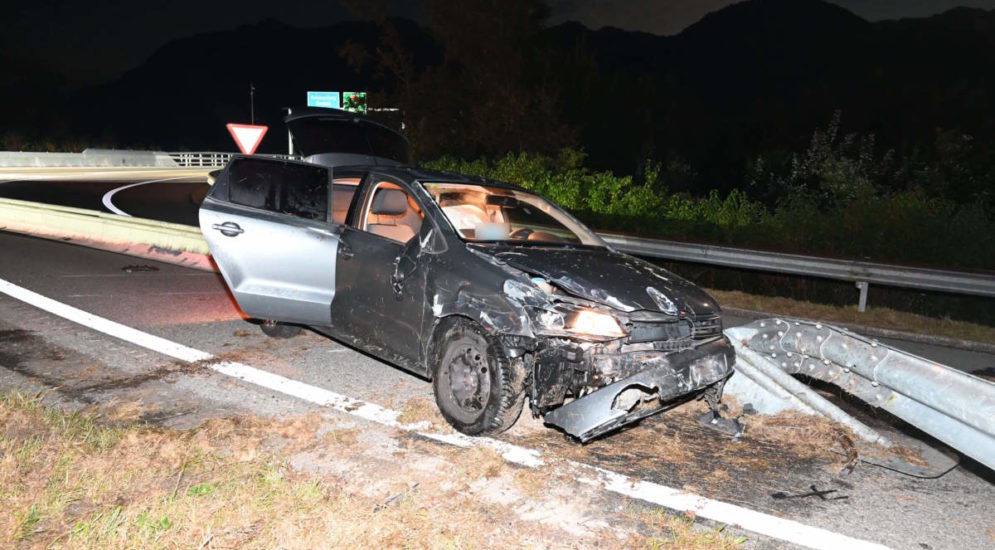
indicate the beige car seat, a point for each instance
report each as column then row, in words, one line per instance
column 392, row 216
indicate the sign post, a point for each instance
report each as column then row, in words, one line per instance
column 247, row 136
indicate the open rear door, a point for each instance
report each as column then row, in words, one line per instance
column 268, row 225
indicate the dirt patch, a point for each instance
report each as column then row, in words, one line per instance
column 672, row 448
column 73, row 375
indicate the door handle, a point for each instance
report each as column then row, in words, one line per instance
column 345, row 250
column 228, row 229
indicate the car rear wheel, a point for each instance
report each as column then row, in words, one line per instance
column 279, row 330
column 476, row 388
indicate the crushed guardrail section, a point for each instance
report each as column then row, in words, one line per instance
column 952, row 406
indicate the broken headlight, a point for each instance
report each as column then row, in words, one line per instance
column 591, row 322
column 577, row 322
column 562, row 319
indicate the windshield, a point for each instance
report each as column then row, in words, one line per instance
column 481, row 213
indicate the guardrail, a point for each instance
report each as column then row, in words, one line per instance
column 165, row 242
column 105, row 158
column 90, row 158
column 201, row 159
column 954, row 407
column 862, row 274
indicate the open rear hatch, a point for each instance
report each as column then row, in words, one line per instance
column 332, row 137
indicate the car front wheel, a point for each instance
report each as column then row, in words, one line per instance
column 476, row 388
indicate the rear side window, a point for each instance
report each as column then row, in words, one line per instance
column 284, row 187
column 341, row 200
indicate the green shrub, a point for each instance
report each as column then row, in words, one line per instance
column 854, row 221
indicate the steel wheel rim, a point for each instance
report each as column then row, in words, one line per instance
column 468, row 383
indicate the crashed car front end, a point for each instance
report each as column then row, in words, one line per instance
column 596, row 368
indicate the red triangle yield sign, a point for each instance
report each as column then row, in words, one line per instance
column 247, row 136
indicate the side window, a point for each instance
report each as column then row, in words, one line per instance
column 290, row 188
column 343, row 191
column 392, row 213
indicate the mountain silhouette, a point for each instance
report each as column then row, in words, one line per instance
column 761, row 75
column 755, row 77
column 182, row 97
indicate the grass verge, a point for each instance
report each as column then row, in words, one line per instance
column 874, row 316
column 71, row 480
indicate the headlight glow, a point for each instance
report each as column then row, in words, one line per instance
column 594, row 323
column 559, row 318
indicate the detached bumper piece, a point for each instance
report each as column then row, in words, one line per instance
column 666, row 377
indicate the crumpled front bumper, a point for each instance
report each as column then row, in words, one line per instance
column 666, row 375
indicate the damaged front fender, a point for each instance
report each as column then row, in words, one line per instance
column 666, row 377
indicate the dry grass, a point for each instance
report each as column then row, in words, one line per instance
column 874, row 316
column 681, row 533
column 422, row 409
column 67, row 480
column 806, row 435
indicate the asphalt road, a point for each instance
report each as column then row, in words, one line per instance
column 164, row 195
column 42, row 352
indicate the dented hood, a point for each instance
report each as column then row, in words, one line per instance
column 616, row 280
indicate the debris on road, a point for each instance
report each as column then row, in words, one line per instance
column 399, row 497
column 139, row 268
column 815, row 492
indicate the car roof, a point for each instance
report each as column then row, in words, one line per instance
column 427, row 175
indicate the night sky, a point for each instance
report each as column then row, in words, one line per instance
column 86, row 42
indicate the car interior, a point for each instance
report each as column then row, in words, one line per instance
column 392, row 213
column 343, row 190
column 484, row 216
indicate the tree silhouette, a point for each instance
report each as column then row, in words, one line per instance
column 487, row 96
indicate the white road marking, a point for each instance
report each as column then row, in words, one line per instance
column 109, row 204
column 668, row 497
column 170, row 274
column 192, row 293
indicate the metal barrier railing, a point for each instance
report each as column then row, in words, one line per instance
column 201, row 159
column 952, row 406
column 862, row 274
column 214, row 159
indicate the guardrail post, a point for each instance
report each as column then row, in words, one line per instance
column 862, row 304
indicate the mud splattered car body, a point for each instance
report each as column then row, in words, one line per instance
column 488, row 290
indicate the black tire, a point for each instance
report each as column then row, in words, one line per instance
column 279, row 330
column 476, row 388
